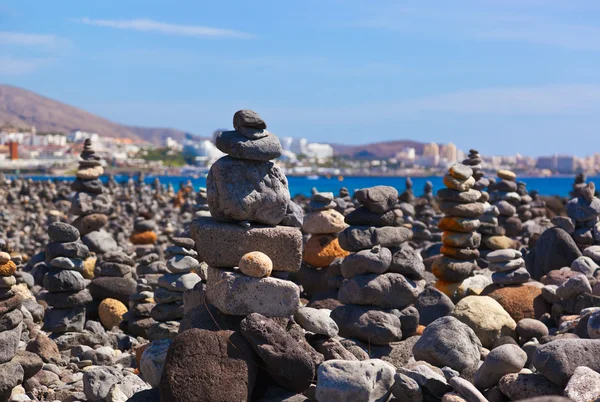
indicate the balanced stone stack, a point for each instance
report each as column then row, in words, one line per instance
column 474, row 161
column 249, row 201
column 524, row 207
column 503, row 194
column 460, row 237
column 584, row 212
column 64, row 287
column 578, row 184
column 344, row 202
column 144, row 232
column 115, row 270
column 201, row 206
column 382, row 276
column 137, row 320
column 408, row 195
column 90, row 203
column 508, row 267
column 10, row 312
column 323, row 225
column 168, row 295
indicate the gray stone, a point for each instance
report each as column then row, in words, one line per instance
column 506, row 265
column 153, row 361
column 62, row 232
column 64, row 319
column 237, row 294
column 9, row 341
column 378, row 199
column 585, row 265
column 557, row 360
column 74, row 249
column 584, row 385
column 11, row 375
column 519, row 386
column 554, row 249
column 517, row 276
column 367, row 324
column 500, row 361
column 433, row 304
column 248, row 118
column 581, row 210
column 498, row 256
column 100, row 241
column 428, row 379
column 406, row 389
column 222, row 244
column 75, row 264
column 64, row 281
column 179, row 264
column 178, row 282
column 239, row 146
column 465, row 197
column 528, row 328
column 317, row 321
column 364, row 217
column 387, row 290
column 354, row 381
column 245, row 190
column 574, row 286
column 407, row 262
column 162, row 295
column 66, row 299
column 294, row 215
column 374, row 261
column 356, row 238
column 97, row 382
column 467, row 390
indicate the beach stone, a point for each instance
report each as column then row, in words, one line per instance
column 433, row 304
column 469, row 196
column 167, row 311
column 387, row 290
column 378, row 199
column 111, row 313
column 294, row 215
column 152, row 361
column 574, row 286
column 519, row 386
column 557, row 360
column 317, row 321
column 461, row 240
column 406, row 389
column 184, row 242
column 459, row 253
column 376, row 260
column 458, row 184
column 362, row 216
column 506, row 175
column 458, row 224
column 12, row 376
column 460, row 171
column 452, row 270
column 519, row 301
column 97, row 382
column 10, row 320
column 585, row 265
column 179, row 264
column 45, row 348
column 354, row 381
column 517, row 276
column 466, row 389
column 332, row 349
column 503, row 255
column 90, row 223
column 323, row 222
column 178, row 282
column 62, row 232
column 30, row 362
column 9, row 341
column 500, row 361
column 237, row 294
column 143, row 238
column 582, row 210
column 357, row 238
column 248, row 118
column 506, row 265
column 256, row 264
column 196, row 355
column 472, row 210
column 486, row 317
column 223, row 244
column 286, row 361
column 407, row 262
column 430, row 379
column 7, row 282
column 112, row 288
column 367, row 324
column 67, row 299
column 100, row 241
column 584, row 385
column 449, row 342
column 75, row 264
column 553, row 250
column 593, row 325
column 528, row 328
column 321, row 250
column 64, row 319
column 237, row 145
column 64, row 281
column 4, row 257
column 246, row 190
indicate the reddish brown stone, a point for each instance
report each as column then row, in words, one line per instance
column 321, row 250
column 519, row 301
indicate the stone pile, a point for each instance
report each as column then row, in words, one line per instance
column 460, row 203
column 382, row 275
column 137, row 320
column 474, row 161
column 65, row 289
column 344, row 202
column 201, row 205
column 504, row 195
column 508, row 267
column 168, row 295
column 407, row 195
column 584, row 212
column 144, row 234
column 113, row 277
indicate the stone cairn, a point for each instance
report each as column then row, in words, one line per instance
column 344, row 202
column 584, row 212
column 201, row 206
column 323, row 224
column 508, row 267
column 64, row 287
column 504, row 195
column 578, row 184
column 168, row 295
column 90, row 203
column 475, row 162
column 381, row 273
column 460, row 237
column 10, row 316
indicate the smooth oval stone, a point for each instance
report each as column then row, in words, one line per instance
column 375, row 261
column 461, row 240
column 182, row 263
column 458, row 224
column 178, row 282
column 367, row 323
column 378, row 198
column 500, row 361
column 517, row 276
column 507, row 265
column 468, row 196
column 452, row 270
column 460, row 253
column 162, row 295
column 62, row 232
column 75, row 264
column 460, row 171
column 112, row 269
column 458, row 184
column 471, row 210
column 184, row 242
column 118, row 257
column 503, row 255
column 506, row 174
column 239, row 146
column 505, row 185
column 248, row 118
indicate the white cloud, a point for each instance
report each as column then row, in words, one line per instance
column 146, row 25
column 27, row 39
column 13, row 66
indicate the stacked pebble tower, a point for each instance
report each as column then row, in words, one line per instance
column 584, row 211
column 460, row 237
column 508, row 267
column 474, row 161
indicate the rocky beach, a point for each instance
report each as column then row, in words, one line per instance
column 475, row 290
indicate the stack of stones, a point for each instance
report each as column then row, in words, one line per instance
column 323, row 224
column 90, row 203
column 460, row 237
column 249, row 202
column 489, row 227
column 381, row 274
column 137, row 320
column 168, row 295
column 474, row 161
column 584, row 212
column 64, row 287
column 344, row 202
column 407, row 195
column 538, row 206
column 578, row 184
column 505, row 197
column 10, row 314
column 144, row 235
column 524, row 208
column 113, row 278
column 508, row 267
column 201, row 206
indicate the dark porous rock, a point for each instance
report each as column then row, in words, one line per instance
column 387, row 290
column 288, row 363
column 518, row 387
column 113, row 288
column 294, row 215
column 9, row 341
column 245, row 190
column 248, row 118
column 409, row 320
column 30, row 362
column 553, row 250
column 66, row 299
column 93, row 186
column 407, row 262
column 11, row 375
column 376, row 261
column 74, row 249
column 433, row 304
column 239, row 146
column 223, row 244
column 378, row 199
column 64, row 319
column 331, row 348
column 64, row 281
column 449, row 342
column 10, row 320
column 62, row 232
column 367, row 324
column 557, row 360
column 362, row 216
column 356, row 238
column 209, row 366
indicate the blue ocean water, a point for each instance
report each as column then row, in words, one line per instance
column 302, row 185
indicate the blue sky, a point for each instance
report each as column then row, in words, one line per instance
column 503, row 76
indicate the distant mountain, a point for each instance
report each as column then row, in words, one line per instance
column 22, row 108
column 387, row 149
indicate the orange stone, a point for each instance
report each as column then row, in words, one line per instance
column 321, row 250
column 111, row 313
column 8, row 268
column 519, row 301
column 420, row 329
column 138, row 353
column 448, row 288
column 148, row 237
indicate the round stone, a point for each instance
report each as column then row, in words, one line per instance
column 323, row 222
column 8, row 268
column 62, row 232
column 458, row 224
column 256, row 264
column 4, row 257
column 452, row 270
column 506, row 175
column 460, row 171
column 458, row 184
column 111, row 313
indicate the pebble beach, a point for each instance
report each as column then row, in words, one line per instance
column 472, row 287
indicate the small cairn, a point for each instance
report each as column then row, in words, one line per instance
column 475, row 162
column 90, row 203
column 407, row 196
column 144, row 233
column 578, row 184
column 344, row 202
column 64, row 287
column 505, row 197
column 137, row 320
column 584, row 211
column 201, row 205
column 10, row 316
column 524, row 207
column 168, row 295
column 381, row 273
column 508, row 267
column 460, row 237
